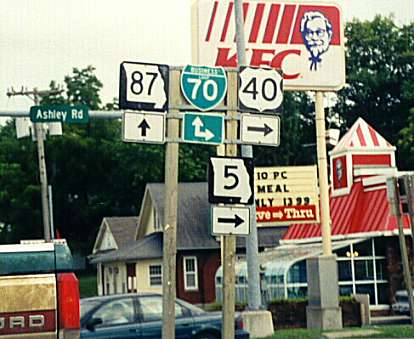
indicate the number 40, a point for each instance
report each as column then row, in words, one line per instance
column 268, row 90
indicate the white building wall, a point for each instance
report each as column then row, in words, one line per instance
column 99, row 278
column 143, row 276
column 115, row 278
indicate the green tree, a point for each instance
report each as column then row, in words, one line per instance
column 406, row 141
column 83, row 87
column 297, row 135
column 380, row 77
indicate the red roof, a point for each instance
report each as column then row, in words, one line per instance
column 362, row 137
column 361, row 211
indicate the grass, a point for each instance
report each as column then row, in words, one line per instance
column 296, row 334
column 391, row 331
column 394, row 331
column 87, row 284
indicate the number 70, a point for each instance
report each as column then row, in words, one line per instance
column 209, row 88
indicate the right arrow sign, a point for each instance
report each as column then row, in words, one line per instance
column 260, row 129
column 230, row 220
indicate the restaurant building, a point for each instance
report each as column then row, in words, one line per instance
column 364, row 233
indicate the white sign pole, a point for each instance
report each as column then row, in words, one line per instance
column 323, row 174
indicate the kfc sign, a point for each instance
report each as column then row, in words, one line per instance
column 305, row 39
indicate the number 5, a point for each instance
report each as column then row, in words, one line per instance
column 228, row 174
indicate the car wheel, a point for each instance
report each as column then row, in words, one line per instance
column 206, row 336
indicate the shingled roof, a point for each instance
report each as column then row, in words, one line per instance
column 193, row 230
column 122, row 228
column 149, row 247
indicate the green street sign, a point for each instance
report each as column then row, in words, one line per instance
column 203, row 128
column 204, row 87
column 76, row 114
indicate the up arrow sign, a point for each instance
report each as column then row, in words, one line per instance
column 143, row 126
column 198, row 124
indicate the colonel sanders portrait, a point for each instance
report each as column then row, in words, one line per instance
column 339, row 172
column 317, row 35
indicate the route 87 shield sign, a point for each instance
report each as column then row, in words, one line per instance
column 143, row 86
column 204, row 87
column 260, row 90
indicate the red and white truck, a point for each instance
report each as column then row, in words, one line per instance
column 39, row 293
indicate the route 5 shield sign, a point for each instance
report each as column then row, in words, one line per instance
column 143, row 86
column 260, row 90
column 230, row 180
column 204, row 87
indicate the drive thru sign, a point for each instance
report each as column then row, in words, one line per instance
column 286, row 195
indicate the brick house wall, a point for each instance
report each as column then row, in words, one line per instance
column 207, row 264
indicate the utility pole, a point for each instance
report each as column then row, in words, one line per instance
column 229, row 241
column 35, row 96
column 252, row 246
column 395, row 202
column 170, row 214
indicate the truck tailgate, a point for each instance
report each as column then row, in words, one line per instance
column 28, row 306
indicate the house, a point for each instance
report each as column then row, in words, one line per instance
column 137, row 266
column 114, row 233
column 364, row 232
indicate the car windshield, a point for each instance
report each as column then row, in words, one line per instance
column 401, row 298
column 87, row 305
column 192, row 308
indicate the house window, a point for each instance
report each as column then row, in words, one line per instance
column 155, row 274
column 190, row 273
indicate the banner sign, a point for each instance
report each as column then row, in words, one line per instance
column 286, row 195
column 303, row 38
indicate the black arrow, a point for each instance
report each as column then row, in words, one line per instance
column 144, row 125
column 236, row 220
column 266, row 129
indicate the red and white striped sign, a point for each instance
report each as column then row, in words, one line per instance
column 303, row 38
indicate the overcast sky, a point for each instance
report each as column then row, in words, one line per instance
column 43, row 40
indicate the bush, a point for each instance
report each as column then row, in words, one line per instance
column 217, row 307
column 291, row 313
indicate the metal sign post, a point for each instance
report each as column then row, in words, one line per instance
column 395, row 202
column 252, row 242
